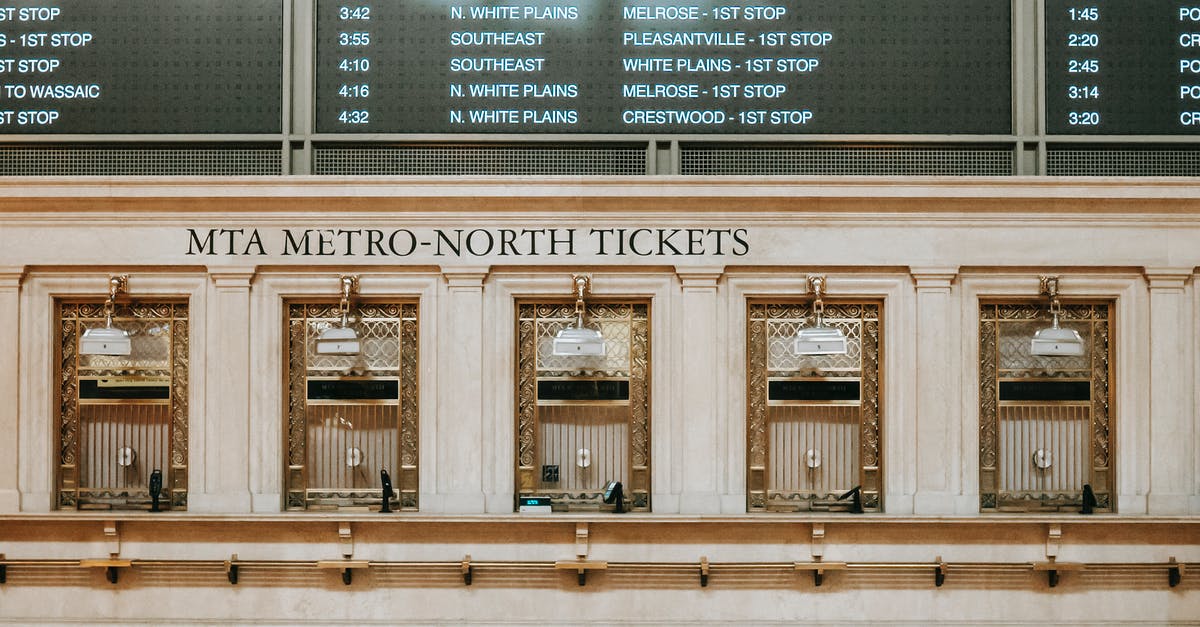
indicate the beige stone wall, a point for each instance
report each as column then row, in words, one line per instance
column 930, row 249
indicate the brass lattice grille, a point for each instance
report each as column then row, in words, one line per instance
column 583, row 421
column 813, row 421
column 122, row 417
column 1044, row 421
column 349, row 417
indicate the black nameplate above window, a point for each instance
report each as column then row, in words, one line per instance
column 353, row 390
column 1045, row 390
column 583, row 390
column 93, row 389
column 813, row 390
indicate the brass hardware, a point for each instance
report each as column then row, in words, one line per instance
column 1052, row 568
column 231, row 569
column 818, row 569
column 346, row 566
column 466, row 570
column 349, row 290
column 582, row 567
column 117, row 285
column 583, row 287
column 704, row 572
column 110, row 567
column 1048, row 287
column 939, row 576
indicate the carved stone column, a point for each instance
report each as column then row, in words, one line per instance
column 221, row 483
column 1172, row 436
column 699, row 380
column 10, row 336
column 459, row 455
column 938, row 382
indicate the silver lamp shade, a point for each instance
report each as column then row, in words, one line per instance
column 1056, row 341
column 107, row 340
column 338, row 341
column 579, row 341
column 820, row 341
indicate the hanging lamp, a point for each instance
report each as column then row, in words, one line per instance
column 108, row 340
column 819, row 339
column 576, row 339
column 1055, row 341
column 341, row 339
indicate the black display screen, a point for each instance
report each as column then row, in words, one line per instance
column 353, row 390
column 645, row 66
column 590, row 390
column 1122, row 67
column 813, row 390
column 1045, row 391
column 141, row 66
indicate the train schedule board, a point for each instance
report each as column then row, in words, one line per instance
column 1122, row 67
column 141, row 66
column 678, row 66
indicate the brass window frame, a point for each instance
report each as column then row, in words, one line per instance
column 1102, row 473
column 528, row 480
column 870, row 376
column 298, row 494
column 69, row 492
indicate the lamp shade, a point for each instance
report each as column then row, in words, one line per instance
column 1056, row 342
column 579, row 341
column 105, row 341
column 338, row 341
column 820, row 341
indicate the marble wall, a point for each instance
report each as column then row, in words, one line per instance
column 930, row 250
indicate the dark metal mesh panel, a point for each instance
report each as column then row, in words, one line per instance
column 510, row 160
column 107, row 160
column 1110, row 162
column 716, row 160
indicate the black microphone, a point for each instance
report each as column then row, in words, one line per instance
column 155, row 489
column 387, row 492
column 1089, row 499
column 856, row 504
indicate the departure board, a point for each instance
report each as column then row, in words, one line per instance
column 1122, row 67
column 678, row 66
column 141, row 66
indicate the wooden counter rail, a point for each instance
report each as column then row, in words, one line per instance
column 468, row 567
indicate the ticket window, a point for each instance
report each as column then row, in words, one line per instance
column 1045, row 420
column 122, row 417
column 814, row 421
column 350, row 417
column 583, row 421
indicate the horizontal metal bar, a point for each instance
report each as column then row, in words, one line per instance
column 600, row 564
column 71, row 563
